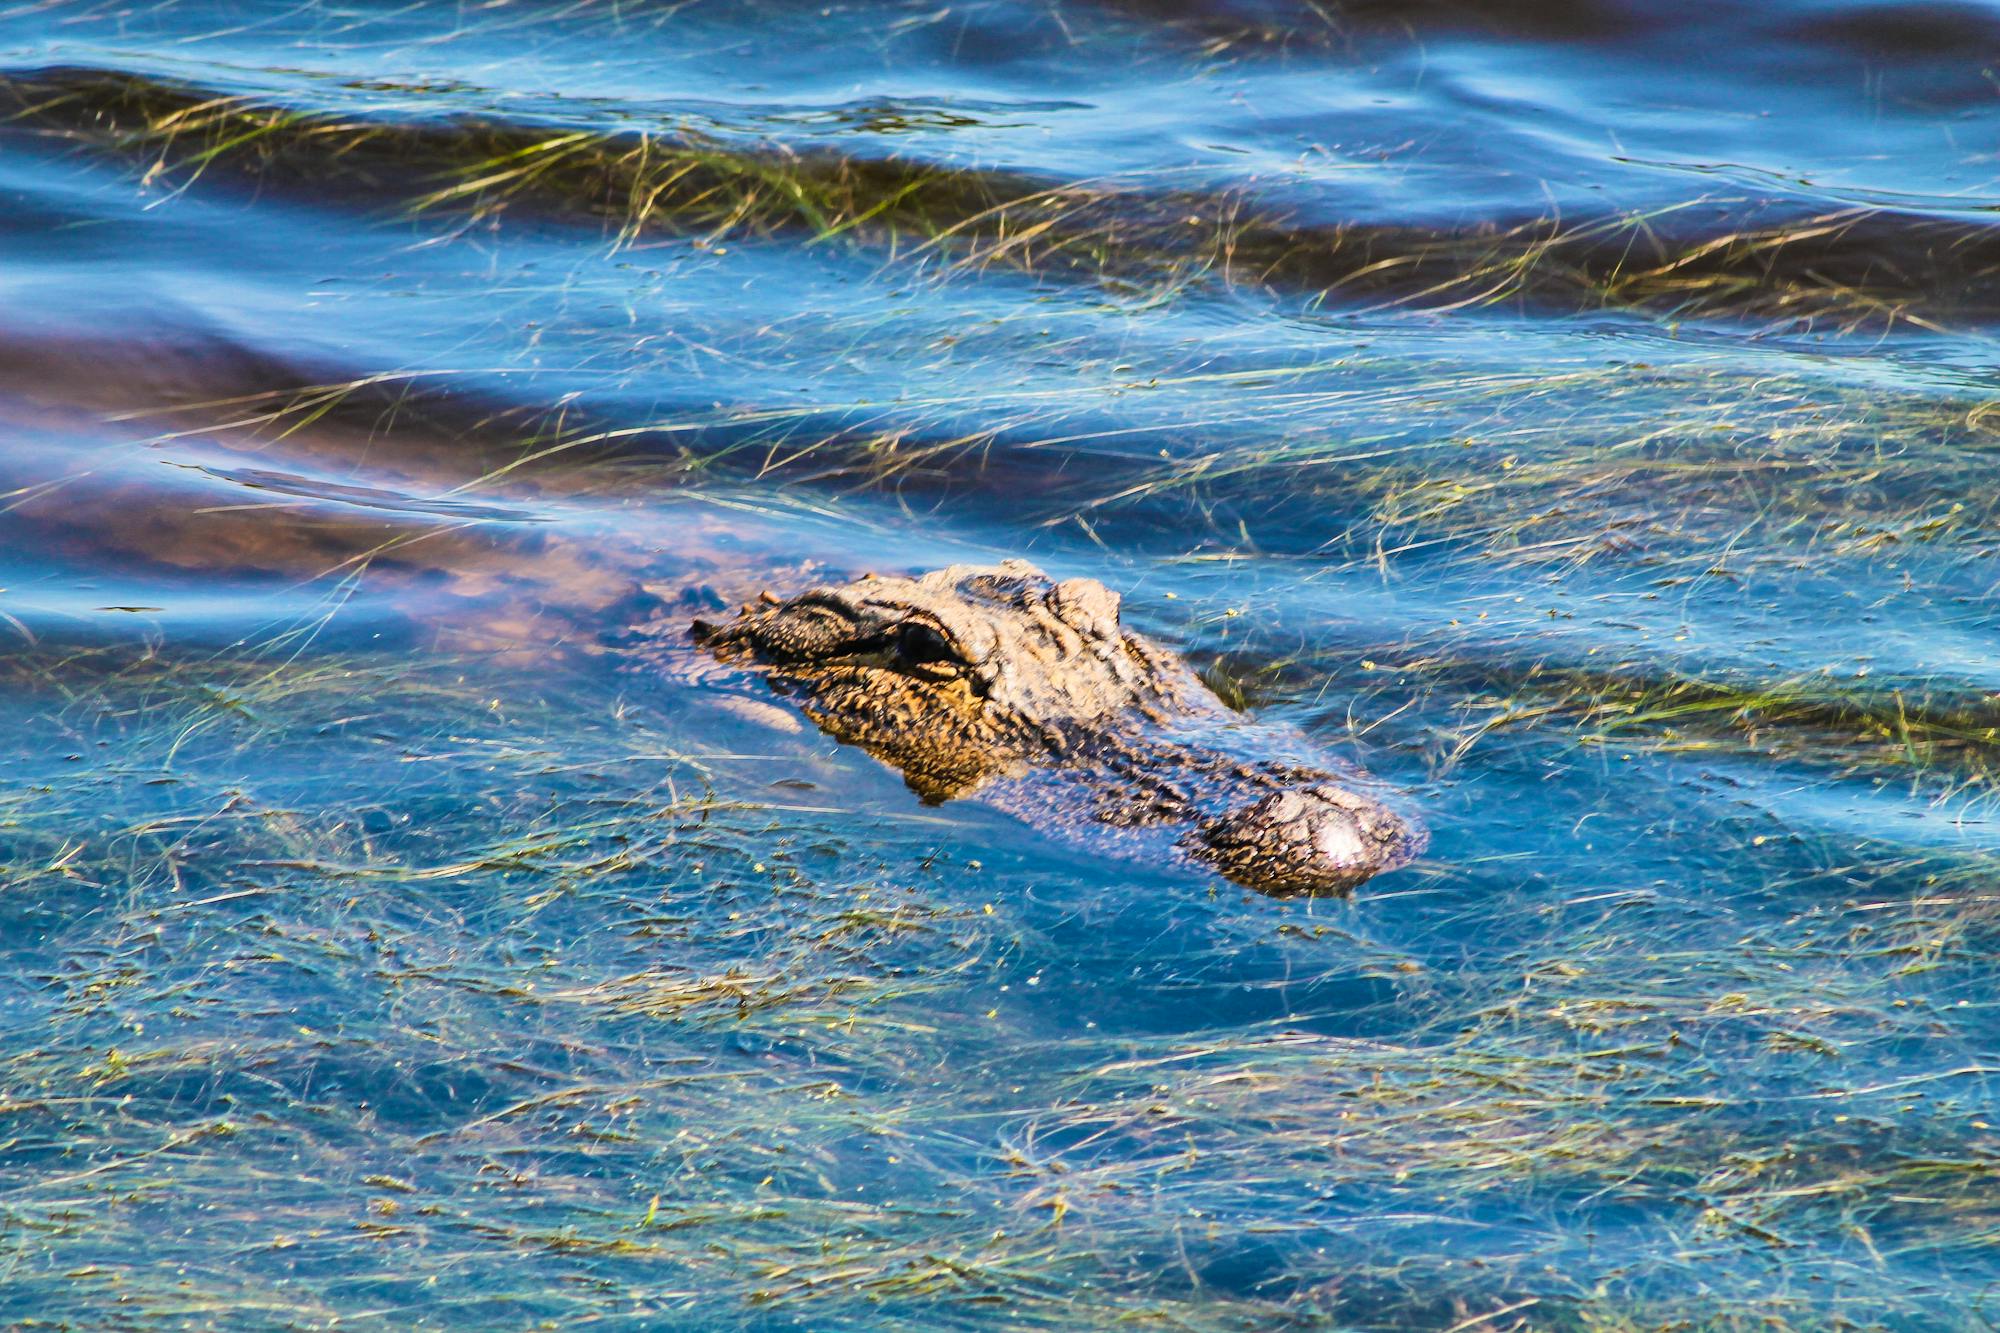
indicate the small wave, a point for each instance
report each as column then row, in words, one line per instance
column 367, row 497
column 1878, row 29
column 1788, row 263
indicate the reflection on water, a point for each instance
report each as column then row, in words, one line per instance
column 1579, row 415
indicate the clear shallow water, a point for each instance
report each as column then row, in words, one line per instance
column 1580, row 416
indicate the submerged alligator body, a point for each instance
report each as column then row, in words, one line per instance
column 997, row 682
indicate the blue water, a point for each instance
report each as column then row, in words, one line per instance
column 1578, row 415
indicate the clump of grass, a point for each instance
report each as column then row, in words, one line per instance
column 1692, row 477
column 1946, row 739
column 1689, row 473
column 1797, row 270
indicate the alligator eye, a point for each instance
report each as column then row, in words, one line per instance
column 919, row 644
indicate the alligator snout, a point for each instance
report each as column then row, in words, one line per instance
column 1304, row 840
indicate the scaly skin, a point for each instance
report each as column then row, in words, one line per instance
column 996, row 682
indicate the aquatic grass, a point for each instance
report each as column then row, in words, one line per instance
column 1713, row 484
column 1945, row 739
column 1458, row 699
column 1804, row 474
column 674, row 1051
column 1728, row 258
column 349, row 989
column 1698, row 471
column 1635, row 464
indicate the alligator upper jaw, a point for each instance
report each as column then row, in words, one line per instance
column 934, row 734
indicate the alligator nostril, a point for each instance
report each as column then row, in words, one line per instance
column 1319, row 839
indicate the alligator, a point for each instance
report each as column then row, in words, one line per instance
column 999, row 683
column 992, row 682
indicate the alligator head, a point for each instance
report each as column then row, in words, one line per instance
column 998, row 682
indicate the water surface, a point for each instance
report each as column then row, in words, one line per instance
column 1579, row 415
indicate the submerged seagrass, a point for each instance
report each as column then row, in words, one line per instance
column 997, row 681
